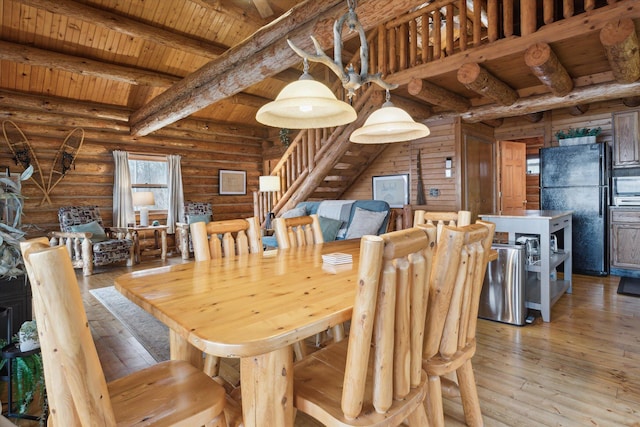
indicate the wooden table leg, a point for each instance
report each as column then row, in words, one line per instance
column 163, row 241
column 267, row 389
column 180, row 349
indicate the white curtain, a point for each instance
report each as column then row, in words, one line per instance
column 122, row 199
column 175, row 212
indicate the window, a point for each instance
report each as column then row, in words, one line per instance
column 149, row 173
column 533, row 164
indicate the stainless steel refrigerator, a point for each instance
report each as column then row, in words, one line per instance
column 576, row 178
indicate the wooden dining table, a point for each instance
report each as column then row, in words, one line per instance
column 252, row 307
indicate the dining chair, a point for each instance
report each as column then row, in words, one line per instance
column 171, row 393
column 375, row 377
column 297, row 231
column 440, row 219
column 452, row 313
column 215, row 239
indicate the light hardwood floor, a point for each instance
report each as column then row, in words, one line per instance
column 581, row 369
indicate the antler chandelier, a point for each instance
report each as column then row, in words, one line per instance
column 351, row 80
column 308, row 104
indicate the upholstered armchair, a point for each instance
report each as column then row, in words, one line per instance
column 193, row 212
column 88, row 242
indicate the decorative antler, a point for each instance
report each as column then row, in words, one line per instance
column 350, row 79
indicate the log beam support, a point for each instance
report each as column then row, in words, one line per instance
column 621, row 45
column 547, row 68
column 479, row 80
column 437, row 95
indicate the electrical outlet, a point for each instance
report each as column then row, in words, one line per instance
column 447, row 173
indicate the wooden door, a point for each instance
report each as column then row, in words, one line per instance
column 479, row 183
column 513, row 175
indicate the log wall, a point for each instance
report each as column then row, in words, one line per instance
column 401, row 158
column 91, row 181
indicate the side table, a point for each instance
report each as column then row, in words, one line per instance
column 160, row 240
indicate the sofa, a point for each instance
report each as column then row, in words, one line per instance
column 337, row 218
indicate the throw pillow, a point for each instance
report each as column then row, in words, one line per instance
column 329, row 228
column 198, row 218
column 99, row 234
column 365, row 222
column 301, row 211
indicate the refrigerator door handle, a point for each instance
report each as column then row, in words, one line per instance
column 603, row 201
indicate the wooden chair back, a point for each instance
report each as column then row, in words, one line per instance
column 454, row 297
column 165, row 394
column 297, row 231
column 389, row 312
column 73, row 374
column 233, row 237
column 376, row 376
column 440, row 219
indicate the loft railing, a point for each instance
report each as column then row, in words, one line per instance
column 440, row 29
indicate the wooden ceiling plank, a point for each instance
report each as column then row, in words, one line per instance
column 128, row 26
column 260, row 56
column 238, row 13
column 263, row 7
column 43, row 58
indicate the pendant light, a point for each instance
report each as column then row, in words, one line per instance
column 306, row 104
column 389, row 124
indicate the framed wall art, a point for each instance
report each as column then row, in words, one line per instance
column 232, row 182
column 393, row 189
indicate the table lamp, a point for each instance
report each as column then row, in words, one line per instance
column 143, row 199
column 269, row 184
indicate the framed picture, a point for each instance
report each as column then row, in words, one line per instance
column 232, row 182
column 393, row 189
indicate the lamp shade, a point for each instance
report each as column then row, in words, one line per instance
column 269, row 183
column 143, row 198
column 306, row 104
column 389, row 124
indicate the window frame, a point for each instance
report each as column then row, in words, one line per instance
column 150, row 158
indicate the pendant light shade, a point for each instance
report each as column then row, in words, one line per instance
column 389, row 124
column 306, row 104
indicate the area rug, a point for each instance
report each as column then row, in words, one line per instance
column 629, row 286
column 150, row 332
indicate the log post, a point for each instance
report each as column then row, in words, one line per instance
column 528, row 17
column 436, row 95
column 547, row 68
column 479, row 80
column 507, row 17
column 620, row 43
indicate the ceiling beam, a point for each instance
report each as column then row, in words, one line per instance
column 620, row 42
column 547, row 68
column 436, row 95
column 129, row 26
column 479, row 80
column 262, row 55
column 87, row 67
column 533, row 104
